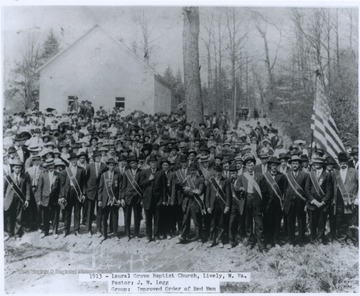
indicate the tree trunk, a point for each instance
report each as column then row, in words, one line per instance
column 194, row 106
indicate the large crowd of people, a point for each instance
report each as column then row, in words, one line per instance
column 236, row 184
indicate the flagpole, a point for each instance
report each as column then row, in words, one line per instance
column 317, row 73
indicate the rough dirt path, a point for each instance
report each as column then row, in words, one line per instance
column 314, row 268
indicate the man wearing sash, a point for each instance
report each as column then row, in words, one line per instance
column 249, row 182
column 193, row 188
column 296, row 190
column 47, row 198
column 16, row 198
column 272, row 184
column 177, row 192
column 207, row 173
column 153, row 183
column 166, row 219
column 218, row 201
column 319, row 199
column 131, row 196
column 93, row 173
column 109, row 198
column 345, row 198
column 331, row 166
column 237, row 214
column 73, row 191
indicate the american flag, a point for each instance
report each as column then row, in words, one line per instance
column 323, row 125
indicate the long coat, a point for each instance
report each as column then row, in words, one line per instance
column 177, row 192
column 211, row 193
column 303, row 180
column 103, row 195
column 9, row 193
column 153, row 190
column 80, row 178
column 92, row 181
column 351, row 186
column 326, row 184
column 127, row 191
column 46, row 195
column 270, row 199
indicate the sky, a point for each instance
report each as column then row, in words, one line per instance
column 71, row 22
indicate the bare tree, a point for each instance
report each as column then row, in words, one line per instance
column 24, row 84
column 146, row 29
column 234, row 46
column 194, row 106
column 261, row 23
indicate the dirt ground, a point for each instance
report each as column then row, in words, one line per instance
column 313, row 268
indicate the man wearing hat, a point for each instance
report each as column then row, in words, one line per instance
column 16, row 198
column 345, row 200
column 93, row 173
column 271, row 185
column 284, row 167
column 34, row 150
column 177, row 193
column 47, row 198
column 33, row 215
column 122, row 164
column 153, row 183
column 131, row 196
column 109, row 198
column 237, row 213
column 305, row 164
column 296, row 191
column 166, row 219
column 319, row 199
column 218, row 199
column 36, row 139
column 331, row 166
column 73, row 191
column 193, row 203
column 263, row 167
column 354, row 161
column 20, row 150
column 249, row 182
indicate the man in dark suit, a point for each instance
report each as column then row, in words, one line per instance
column 21, row 151
column 263, row 167
column 296, row 191
column 193, row 187
column 218, row 199
column 16, row 198
column 47, row 197
column 346, row 200
column 237, row 212
column 73, row 191
column 177, row 192
column 249, row 182
column 153, row 184
column 131, row 196
column 271, row 185
column 319, row 199
column 93, row 173
column 109, row 197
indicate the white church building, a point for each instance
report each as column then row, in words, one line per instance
column 102, row 70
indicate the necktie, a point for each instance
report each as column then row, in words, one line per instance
column 17, row 180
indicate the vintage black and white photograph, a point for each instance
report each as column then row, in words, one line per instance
column 180, row 149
